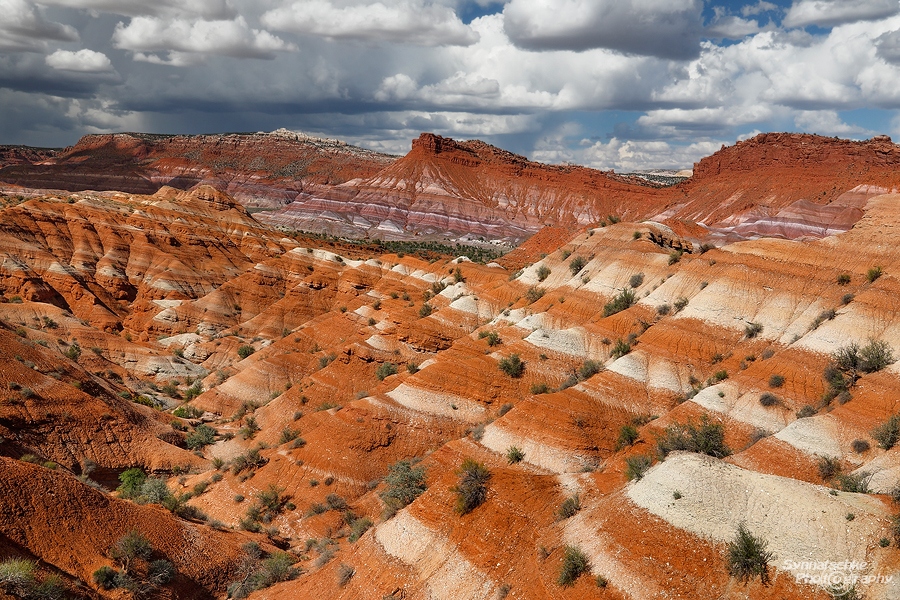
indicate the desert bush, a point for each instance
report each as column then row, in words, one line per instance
column 806, row 411
column 751, row 330
column 628, row 435
column 663, row 309
column 202, row 436
column 888, row 433
column 405, row 482
column 860, row 446
column 425, row 310
column 636, row 280
column 873, row 274
column 620, row 349
column 589, row 368
column 385, row 370
column 680, row 303
column 358, row 527
column 492, row 337
column 776, row 381
column 471, row 491
column 514, row 455
column 131, row 482
column 412, row 367
column 512, row 366
column 767, row 399
column 748, row 557
column 130, row 547
column 186, row 411
column 625, row 299
column 829, row 467
column 540, row 388
column 543, row 272
column 73, row 351
column 248, row 431
column 105, row 577
column 577, row 264
column 160, row 572
column 858, row 482
column 575, row 564
column 843, row 279
column 345, row 574
column 534, row 294
column 245, row 351
column 153, row 491
column 675, row 256
column 705, row 438
column 569, row 507
column 637, row 465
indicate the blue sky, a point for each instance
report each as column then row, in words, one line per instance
column 622, row 84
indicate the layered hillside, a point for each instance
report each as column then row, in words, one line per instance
column 793, row 186
column 260, row 170
column 626, row 396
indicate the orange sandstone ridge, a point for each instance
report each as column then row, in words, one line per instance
column 271, row 384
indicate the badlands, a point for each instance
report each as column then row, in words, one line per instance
column 274, row 366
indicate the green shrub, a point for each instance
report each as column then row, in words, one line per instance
column 569, row 507
column 767, row 399
column 675, row 256
column 620, row 349
column 514, row 455
column 492, row 337
column 829, row 467
column 747, row 556
column 577, row 264
column 888, row 433
column 589, row 368
column 326, row 360
column 288, row 435
column 73, row 351
column 534, row 294
column 130, row 547
column 202, row 436
column 873, row 274
column 512, row 366
column 540, row 388
column 628, row 435
column 636, row 280
column 857, row 483
column 471, row 491
column 425, row 310
column 17, row 576
column 625, row 299
column 160, row 572
column 245, row 351
column 384, row 370
column 105, row 577
column 637, row 465
column 575, row 564
column 860, row 446
column 405, row 483
column 751, row 330
column 543, row 272
column 358, row 527
column 186, row 411
column 412, row 367
column 131, row 482
column 706, row 438
column 345, row 574
column 843, row 279
column 776, row 381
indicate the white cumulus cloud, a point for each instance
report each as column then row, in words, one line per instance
column 183, row 37
column 85, row 61
column 416, row 22
column 208, row 9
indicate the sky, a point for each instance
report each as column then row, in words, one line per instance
column 611, row 84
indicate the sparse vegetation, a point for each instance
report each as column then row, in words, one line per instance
column 625, row 299
column 751, row 330
column 201, row 437
column 492, row 337
column 888, row 433
column 628, row 435
column 637, row 465
column 577, row 264
column 405, row 482
column 873, row 274
column 425, row 310
column 776, row 381
column 534, row 294
column 543, row 272
column 768, row 400
column 245, row 351
column 843, row 279
column 636, row 280
column 471, row 491
column 620, row 349
column 748, row 557
column 514, row 455
column 512, row 366
column 385, row 370
column 705, row 438
column 589, row 368
column 575, row 564
column 569, row 507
